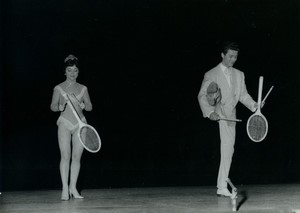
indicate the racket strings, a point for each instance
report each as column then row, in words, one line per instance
column 89, row 138
column 257, row 127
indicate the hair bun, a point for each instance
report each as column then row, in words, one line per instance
column 70, row 57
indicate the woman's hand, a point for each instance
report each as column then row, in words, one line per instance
column 62, row 107
column 82, row 105
column 62, row 102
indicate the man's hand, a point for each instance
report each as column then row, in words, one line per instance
column 255, row 105
column 214, row 116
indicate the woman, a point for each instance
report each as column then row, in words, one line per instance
column 68, row 125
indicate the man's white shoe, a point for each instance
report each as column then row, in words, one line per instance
column 224, row 192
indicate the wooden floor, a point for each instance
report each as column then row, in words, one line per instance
column 252, row 198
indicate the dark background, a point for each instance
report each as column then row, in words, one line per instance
column 143, row 62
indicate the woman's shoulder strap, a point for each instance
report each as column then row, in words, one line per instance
column 58, row 87
column 83, row 89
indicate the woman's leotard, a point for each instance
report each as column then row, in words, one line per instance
column 63, row 121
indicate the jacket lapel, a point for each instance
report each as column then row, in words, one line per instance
column 233, row 81
column 223, row 84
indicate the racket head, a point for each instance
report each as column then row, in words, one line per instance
column 257, row 127
column 89, row 138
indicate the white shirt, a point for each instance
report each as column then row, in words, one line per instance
column 227, row 73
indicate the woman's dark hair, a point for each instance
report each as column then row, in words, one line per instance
column 229, row 45
column 70, row 61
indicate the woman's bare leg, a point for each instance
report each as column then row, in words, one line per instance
column 64, row 141
column 77, row 151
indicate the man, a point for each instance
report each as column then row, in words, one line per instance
column 222, row 88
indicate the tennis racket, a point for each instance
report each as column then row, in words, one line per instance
column 88, row 136
column 264, row 100
column 230, row 119
column 257, row 125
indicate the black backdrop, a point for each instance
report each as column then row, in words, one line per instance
column 143, row 62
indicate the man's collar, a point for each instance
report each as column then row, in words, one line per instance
column 222, row 67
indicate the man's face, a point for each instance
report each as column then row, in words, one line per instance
column 230, row 58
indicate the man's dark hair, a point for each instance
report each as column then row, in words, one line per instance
column 229, row 45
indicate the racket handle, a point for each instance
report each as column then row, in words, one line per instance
column 75, row 98
column 260, row 88
column 263, row 101
column 228, row 119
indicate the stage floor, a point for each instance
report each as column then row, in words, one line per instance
column 251, row 198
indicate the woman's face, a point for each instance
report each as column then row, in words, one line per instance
column 72, row 72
